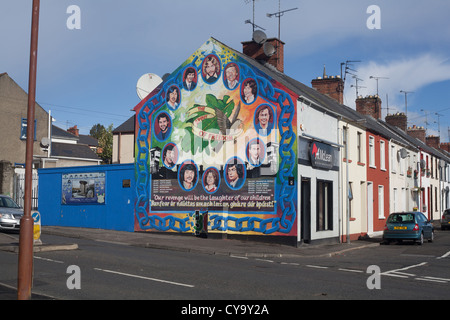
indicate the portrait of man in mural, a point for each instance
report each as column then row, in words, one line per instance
column 235, row 173
column 264, row 120
column 211, row 180
column 188, row 176
column 162, row 126
column 255, row 152
column 211, row 69
column 170, row 155
column 189, row 79
column 173, row 97
column 231, row 75
column 249, row 91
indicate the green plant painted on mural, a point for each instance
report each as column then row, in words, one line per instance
column 210, row 126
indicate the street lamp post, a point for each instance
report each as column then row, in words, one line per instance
column 25, row 269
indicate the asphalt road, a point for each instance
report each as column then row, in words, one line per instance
column 110, row 271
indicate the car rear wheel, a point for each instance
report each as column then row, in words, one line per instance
column 420, row 241
column 432, row 237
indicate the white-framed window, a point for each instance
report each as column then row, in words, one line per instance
column 380, row 202
column 401, row 166
column 372, row 151
column 382, row 155
column 393, row 160
column 345, row 142
column 358, row 146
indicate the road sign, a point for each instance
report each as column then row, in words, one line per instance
column 37, row 225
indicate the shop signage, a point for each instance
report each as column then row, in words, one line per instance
column 321, row 155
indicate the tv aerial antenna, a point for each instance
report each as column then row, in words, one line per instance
column 250, row 21
column 254, row 25
column 348, row 64
column 377, row 78
column 439, row 122
column 406, row 103
column 356, row 85
column 278, row 15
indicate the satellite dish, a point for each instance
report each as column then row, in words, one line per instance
column 259, row 37
column 403, row 153
column 45, row 142
column 269, row 49
column 422, row 164
column 146, row 84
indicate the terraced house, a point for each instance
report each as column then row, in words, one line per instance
column 245, row 151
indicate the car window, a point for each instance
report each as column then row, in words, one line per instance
column 401, row 217
column 8, row 203
column 421, row 218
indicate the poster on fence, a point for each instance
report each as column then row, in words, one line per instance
column 83, row 188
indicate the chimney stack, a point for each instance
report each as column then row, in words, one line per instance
column 433, row 141
column 445, row 146
column 256, row 51
column 417, row 132
column 370, row 105
column 399, row 120
column 74, row 130
column 333, row 86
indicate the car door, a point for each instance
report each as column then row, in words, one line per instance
column 426, row 225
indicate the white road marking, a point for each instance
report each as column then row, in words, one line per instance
column 431, row 280
column 239, row 257
column 444, row 255
column 350, row 270
column 49, row 260
column 400, row 274
column 440, row 279
column 145, row 278
column 265, row 260
column 317, row 267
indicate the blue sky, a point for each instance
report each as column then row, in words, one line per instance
column 89, row 76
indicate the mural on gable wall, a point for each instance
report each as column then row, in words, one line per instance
column 217, row 135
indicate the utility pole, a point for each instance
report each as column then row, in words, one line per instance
column 25, row 270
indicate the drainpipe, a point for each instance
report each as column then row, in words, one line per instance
column 348, row 187
column 339, row 186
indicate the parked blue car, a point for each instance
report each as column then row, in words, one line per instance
column 408, row 226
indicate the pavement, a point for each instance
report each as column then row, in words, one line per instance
column 212, row 245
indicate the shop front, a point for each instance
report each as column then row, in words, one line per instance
column 318, row 167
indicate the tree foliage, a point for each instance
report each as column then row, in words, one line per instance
column 105, row 141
